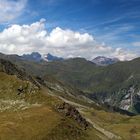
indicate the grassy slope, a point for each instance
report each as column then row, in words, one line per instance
column 118, row 124
column 38, row 119
column 127, row 127
column 34, row 123
column 43, row 122
column 85, row 75
column 124, row 126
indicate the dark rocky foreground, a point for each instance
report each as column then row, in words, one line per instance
column 72, row 112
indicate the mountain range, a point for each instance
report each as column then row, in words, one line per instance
column 70, row 89
column 109, row 85
column 37, row 57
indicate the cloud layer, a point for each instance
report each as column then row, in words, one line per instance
column 66, row 43
column 10, row 9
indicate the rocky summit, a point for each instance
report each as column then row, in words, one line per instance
column 104, row 61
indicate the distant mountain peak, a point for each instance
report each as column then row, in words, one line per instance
column 50, row 57
column 34, row 56
column 37, row 57
column 104, row 61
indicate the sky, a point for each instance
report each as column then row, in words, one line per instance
column 71, row 28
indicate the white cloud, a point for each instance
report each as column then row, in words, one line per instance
column 11, row 9
column 136, row 44
column 66, row 43
column 124, row 55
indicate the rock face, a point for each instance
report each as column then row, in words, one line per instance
column 131, row 100
column 125, row 100
column 104, row 61
column 72, row 112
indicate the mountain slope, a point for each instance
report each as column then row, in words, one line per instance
column 115, row 85
column 11, row 69
column 110, row 85
column 29, row 112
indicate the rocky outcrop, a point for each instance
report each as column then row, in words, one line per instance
column 72, row 112
column 11, row 69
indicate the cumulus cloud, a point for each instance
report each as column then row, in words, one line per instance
column 66, row 43
column 11, row 9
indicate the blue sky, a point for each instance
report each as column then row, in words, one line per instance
column 112, row 23
column 120, row 18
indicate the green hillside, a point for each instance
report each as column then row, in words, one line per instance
column 110, row 85
column 30, row 112
column 29, row 104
